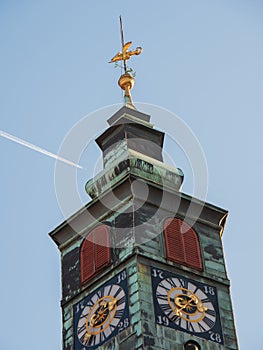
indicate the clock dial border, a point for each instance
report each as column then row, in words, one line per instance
column 102, row 314
column 186, row 305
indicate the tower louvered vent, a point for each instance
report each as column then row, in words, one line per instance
column 182, row 244
column 95, row 252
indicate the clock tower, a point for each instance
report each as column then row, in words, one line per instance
column 142, row 262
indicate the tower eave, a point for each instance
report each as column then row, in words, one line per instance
column 95, row 211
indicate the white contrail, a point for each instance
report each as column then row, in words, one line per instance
column 38, row 149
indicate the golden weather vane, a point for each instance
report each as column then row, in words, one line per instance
column 126, row 80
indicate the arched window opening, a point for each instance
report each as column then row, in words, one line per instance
column 182, row 244
column 192, row 345
column 95, row 252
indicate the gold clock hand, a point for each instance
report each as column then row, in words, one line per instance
column 201, row 307
column 87, row 336
column 182, row 303
column 111, row 304
column 100, row 313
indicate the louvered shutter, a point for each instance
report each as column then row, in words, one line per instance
column 94, row 252
column 101, row 247
column 173, row 240
column 87, row 264
column 182, row 243
column 192, row 249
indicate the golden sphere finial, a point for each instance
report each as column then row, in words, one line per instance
column 125, row 81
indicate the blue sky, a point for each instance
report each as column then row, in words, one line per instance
column 201, row 60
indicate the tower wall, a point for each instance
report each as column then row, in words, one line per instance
column 144, row 298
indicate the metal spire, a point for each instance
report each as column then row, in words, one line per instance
column 126, row 80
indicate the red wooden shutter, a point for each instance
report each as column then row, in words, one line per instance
column 102, row 247
column 182, row 243
column 173, row 240
column 94, row 252
column 87, row 265
column 192, row 249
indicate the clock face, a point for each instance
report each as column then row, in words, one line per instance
column 102, row 315
column 186, row 305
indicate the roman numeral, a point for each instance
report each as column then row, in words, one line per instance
column 166, row 307
column 112, row 327
column 118, row 314
column 85, row 312
column 195, row 290
column 165, row 287
column 90, row 303
column 121, row 300
column 177, row 320
column 211, row 312
column 82, row 338
column 81, row 329
column 109, row 292
column 184, row 284
column 91, row 340
column 202, row 329
column 209, row 322
column 99, row 294
column 191, row 328
column 161, row 296
column 117, row 292
column 205, row 300
column 172, row 283
column 102, row 337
